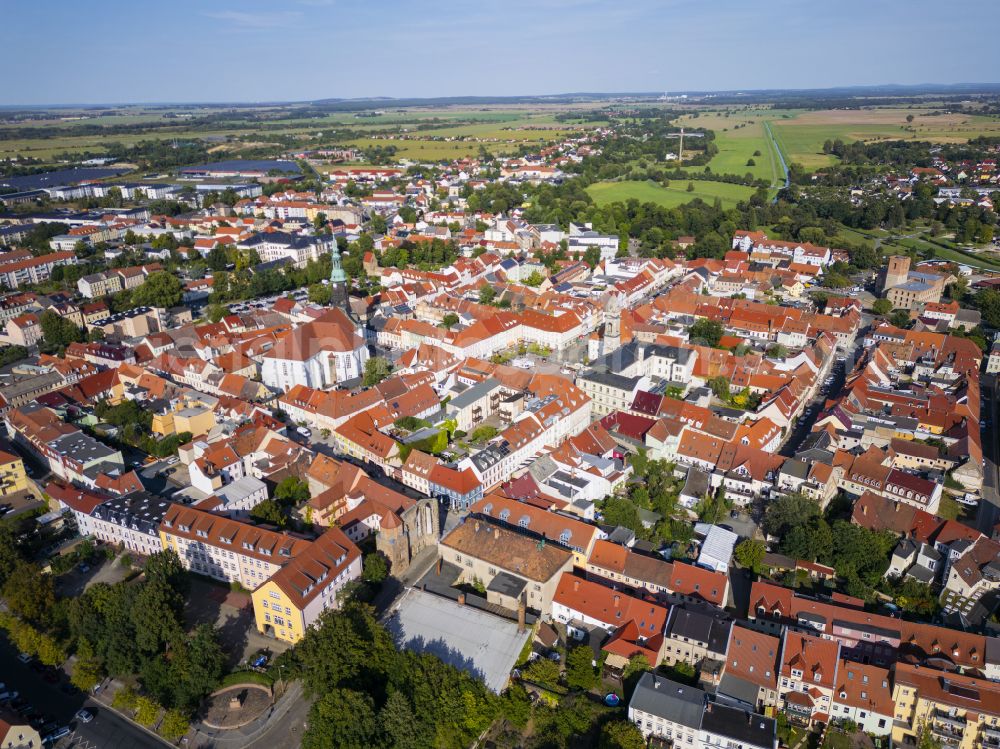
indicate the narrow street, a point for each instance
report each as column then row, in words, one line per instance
column 989, row 507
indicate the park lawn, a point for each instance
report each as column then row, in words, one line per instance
column 668, row 197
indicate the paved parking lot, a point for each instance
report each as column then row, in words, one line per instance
column 59, row 703
column 102, row 570
column 232, row 612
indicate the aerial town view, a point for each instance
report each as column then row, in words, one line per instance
column 563, row 374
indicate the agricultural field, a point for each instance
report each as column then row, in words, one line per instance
column 669, row 197
column 429, row 134
column 800, row 134
column 739, row 135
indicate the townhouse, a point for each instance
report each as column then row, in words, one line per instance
column 688, row 716
column 513, row 567
column 584, row 606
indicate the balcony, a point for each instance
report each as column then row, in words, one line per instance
column 955, row 722
column 946, row 735
column 990, row 735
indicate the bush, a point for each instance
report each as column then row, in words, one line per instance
column 174, row 725
column 146, row 711
column 124, row 699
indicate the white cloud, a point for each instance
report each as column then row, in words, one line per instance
column 242, row 21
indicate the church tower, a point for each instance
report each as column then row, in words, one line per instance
column 612, row 325
column 339, row 296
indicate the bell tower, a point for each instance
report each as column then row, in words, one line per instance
column 338, row 283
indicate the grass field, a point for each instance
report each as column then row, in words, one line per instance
column 800, row 134
column 669, row 197
column 739, row 135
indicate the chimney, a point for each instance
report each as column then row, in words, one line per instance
column 477, row 526
column 496, row 533
column 461, row 599
column 618, row 599
column 521, row 614
column 576, row 585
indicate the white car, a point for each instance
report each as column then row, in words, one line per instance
column 24, row 657
column 84, row 716
column 304, row 432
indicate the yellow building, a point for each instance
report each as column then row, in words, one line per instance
column 958, row 711
column 189, row 414
column 305, row 587
column 13, row 477
column 292, row 579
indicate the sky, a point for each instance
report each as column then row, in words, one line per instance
column 121, row 51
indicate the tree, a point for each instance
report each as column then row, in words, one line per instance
column 400, row 727
column 449, row 321
column 87, row 670
column 580, row 671
column 988, row 302
column 58, row 332
column 160, row 289
column 487, row 294
column 690, row 187
column 751, row 162
column 146, row 711
column 619, row 511
column 341, row 719
column 535, row 279
column 174, row 725
column 882, row 307
column 592, row 256
column 789, row 510
column 777, row 351
column 216, row 312
column 720, row 385
column 376, row 369
column 542, row 671
column 620, row 734
column 706, row 332
column 269, row 512
column 375, row 568
column 30, row 593
column 750, row 554
column 900, row 318
column 320, row 293
column 292, row 491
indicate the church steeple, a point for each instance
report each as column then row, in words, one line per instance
column 338, row 282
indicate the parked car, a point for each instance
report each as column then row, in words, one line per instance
column 84, row 716
column 55, row 735
column 24, row 657
column 304, row 431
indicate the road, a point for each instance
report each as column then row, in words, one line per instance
column 108, row 730
column 989, row 508
column 281, row 729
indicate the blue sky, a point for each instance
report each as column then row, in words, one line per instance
column 106, row 51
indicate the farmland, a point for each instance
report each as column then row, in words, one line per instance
column 668, row 197
column 429, row 134
column 800, row 134
column 740, row 136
